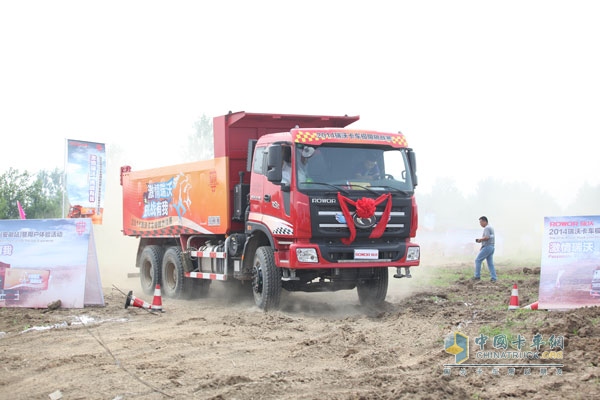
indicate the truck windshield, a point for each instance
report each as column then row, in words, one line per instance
column 352, row 168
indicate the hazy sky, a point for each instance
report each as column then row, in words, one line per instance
column 508, row 89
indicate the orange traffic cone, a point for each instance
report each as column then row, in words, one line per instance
column 135, row 302
column 532, row 306
column 514, row 298
column 157, row 301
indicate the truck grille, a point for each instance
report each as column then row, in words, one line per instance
column 328, row 221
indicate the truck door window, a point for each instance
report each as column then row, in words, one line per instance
column 258, row 164
column 395, row 166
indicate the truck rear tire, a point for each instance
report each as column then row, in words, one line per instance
column 372, row 291
column 266, row 279
column 175, row 284
column 150, row 268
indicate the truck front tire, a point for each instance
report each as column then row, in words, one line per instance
column 372, row 291
column 266, row 279
column 150, row 268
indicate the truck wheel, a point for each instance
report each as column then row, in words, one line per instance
column 175, row 284
column 372, row 291
column 150, row 268
column 266, row 279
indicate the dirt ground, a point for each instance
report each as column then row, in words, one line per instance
column 317, row 345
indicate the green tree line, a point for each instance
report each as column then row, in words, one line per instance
column 40, row 194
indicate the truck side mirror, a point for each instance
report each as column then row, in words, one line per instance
column 412, row 159
column 274, row 163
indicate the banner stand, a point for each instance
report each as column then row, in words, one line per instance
column 42, row 261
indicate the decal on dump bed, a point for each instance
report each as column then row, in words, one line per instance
column 176, row 200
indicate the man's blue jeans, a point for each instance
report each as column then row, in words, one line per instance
column 486, row 253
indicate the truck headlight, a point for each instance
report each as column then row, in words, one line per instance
column 307, row 255
column 413, row 253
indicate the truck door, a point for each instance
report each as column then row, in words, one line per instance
column 276, row 189
column 257, row 179
column 269, row 199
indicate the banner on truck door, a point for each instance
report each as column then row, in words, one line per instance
column 86, row 166
column 570, row 273
column 42, row 261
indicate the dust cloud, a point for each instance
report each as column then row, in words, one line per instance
column 447, row 228
column 116, row 252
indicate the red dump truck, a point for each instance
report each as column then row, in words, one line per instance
column 283, row 205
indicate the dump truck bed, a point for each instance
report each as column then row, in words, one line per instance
column 233, row 131
column 197, row 198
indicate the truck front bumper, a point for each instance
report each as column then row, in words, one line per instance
column 310, row 256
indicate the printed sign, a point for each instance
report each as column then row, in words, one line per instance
column 178, row 199
column 86, row 166
column 366, row 254
column 570, row 259
column 42, row 261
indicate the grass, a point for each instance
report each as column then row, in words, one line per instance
column 511, row 263
column 495, row 301
column 448, row 275
column 511, row 276
column 443, row 277
column 507, row 329
column 492, row 331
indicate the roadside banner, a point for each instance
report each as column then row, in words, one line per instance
column 86, row 166
column 570, row 270
column 42, row 261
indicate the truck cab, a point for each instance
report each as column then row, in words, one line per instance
column 330, row 225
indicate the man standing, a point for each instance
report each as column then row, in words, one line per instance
column 486, row 253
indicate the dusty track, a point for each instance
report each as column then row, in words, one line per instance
column 316, row 346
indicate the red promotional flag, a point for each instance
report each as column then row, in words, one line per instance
column 21, row 211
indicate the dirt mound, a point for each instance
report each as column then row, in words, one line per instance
column 316, row 345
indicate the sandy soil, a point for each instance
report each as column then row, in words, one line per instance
column 318, row 345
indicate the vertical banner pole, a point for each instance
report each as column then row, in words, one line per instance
column 64, row 180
